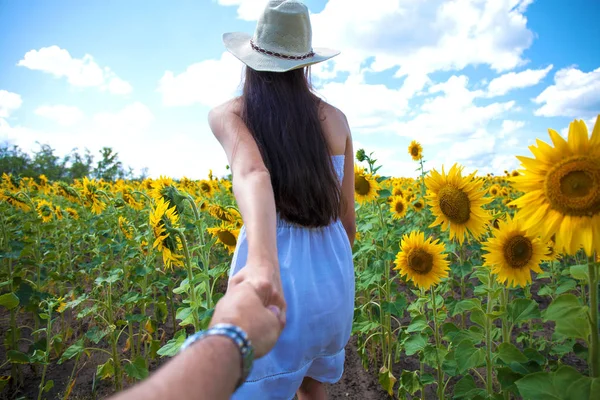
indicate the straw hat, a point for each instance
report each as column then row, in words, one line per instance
column 282, row 40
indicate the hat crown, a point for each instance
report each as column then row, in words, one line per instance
column 284, row 27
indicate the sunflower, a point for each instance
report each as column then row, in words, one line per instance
column 67, row 191
column 562, row 186
column 224, row 214
column 98, row 206
column 206, row 188
column 72, row 212
column 365, row 185
column 418, row 205
column 397, row 191
column 494, row 190
column 514, row 173
column 513, row 252
column 164, row 188
column 415, row 150
column 45, row 210
column 456, row 202
column 421, row 261
column 163, row 221
column 58, row 212
column 125, row 227
column 226, row 234
column 398, row 207
column 13, row 200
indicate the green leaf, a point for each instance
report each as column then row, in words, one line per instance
column 558, row 385
column 49, row 385
column 9, row 300
column 466, row 305
column 478, row 317
column 409, row 383
column 534, row 355
column 579, row 272
column 183, row 313
column 566, row 286
column 44, row 316
column 387, row 380
column 414, row 344
column 508, row 353
column 95, row 334
column 17, row 357
column 521, row 310
column 137, row 369
column 467, row 356
column 570, row 317
column 396, row 308
column 73, row 350
column 106, row 370
column 172, row 346
column 449, row 364
column 464, row 386
column 507, row 379
column 418, row 324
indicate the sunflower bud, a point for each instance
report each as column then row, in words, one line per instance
column 360, row 155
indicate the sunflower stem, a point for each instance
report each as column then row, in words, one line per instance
column 436, row 334
column 488, row 343
column 594, row 345
column 190, row 273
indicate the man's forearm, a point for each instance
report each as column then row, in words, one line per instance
column 209, row 369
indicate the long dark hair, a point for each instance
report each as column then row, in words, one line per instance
column 282, row 113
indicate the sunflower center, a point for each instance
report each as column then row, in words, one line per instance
column 455, row 204
column 399, row 207
column 573, row 186
column 518, row 250
column 361, row 185
column 414, row 151
column 205, row 187
column 420, row 261
column 227, row 238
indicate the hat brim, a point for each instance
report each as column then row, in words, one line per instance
column 238, row 44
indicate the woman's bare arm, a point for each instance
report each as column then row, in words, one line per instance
column 347, row 213
column 251, row 186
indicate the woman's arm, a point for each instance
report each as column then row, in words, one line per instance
column 347, row 213
column 253, row 192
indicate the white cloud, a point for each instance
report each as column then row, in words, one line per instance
column 61, row 114
column 574, row 94
column 516, row 80
column 451, row 114
column 509, row 126
column 208, row 82
column 248, row 10
column 84, row 72
column 9, row 102
column 423, row 37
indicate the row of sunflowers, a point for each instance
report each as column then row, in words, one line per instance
column 117, row 274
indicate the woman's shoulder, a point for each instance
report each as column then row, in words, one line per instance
column 230, row 107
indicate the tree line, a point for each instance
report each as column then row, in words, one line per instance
column 74, row 165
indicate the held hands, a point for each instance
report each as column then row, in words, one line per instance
column 265, row 278
column 251, row 306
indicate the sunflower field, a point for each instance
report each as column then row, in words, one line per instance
column 467, row 286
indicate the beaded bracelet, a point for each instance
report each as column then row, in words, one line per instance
column 237, row 335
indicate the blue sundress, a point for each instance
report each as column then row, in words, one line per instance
column 317, row 274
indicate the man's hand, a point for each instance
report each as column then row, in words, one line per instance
column 254, row 308
column 266, row 280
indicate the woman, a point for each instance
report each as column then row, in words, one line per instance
column 292, row 162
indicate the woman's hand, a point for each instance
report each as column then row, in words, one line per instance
column 254, row 311
column 266, row 280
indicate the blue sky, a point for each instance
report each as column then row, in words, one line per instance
column 475, row 81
